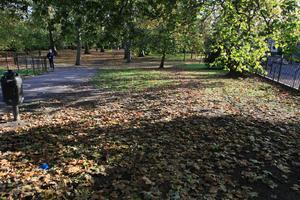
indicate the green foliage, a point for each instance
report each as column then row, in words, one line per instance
column 242, row 28
column 289, row 28
column 21, row 33
column 232, row 33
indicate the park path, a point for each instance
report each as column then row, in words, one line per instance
column 56, row 83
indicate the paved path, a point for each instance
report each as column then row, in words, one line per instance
column 59, row 82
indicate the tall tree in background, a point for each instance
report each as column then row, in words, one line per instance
column 163, row 17
column 46, row 14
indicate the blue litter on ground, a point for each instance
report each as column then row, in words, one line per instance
column 44, row 166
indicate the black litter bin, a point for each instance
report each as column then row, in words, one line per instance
column 12, row 90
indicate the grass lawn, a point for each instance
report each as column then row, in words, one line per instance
column 178, row 56
column 131, row 79
column 185, row 132
column 22, row 72
column 142, row 79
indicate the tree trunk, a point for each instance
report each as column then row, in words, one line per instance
column 142, row 53
column 127, row 53
column 128, row 57
column 184, row 54
column 234, row 74
column 162, row 62
column 191, row 55
column 86, row 48
column 102, row 49
column 78, row 54
column 51, row 41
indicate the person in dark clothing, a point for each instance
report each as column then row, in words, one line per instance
column 50, row 57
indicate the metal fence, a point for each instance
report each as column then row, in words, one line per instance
column 283, row 71
column 23, row 61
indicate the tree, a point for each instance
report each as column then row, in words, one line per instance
column 20, row 33
column 82, row 17
column 162, row 23
column 243, row 27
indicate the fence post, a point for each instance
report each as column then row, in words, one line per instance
column 37, row 64
column 26, row 61
column 41, row 63
column 32, row 64
column 279, row 73
column 267, row 65
column 45, row 63
column 271, row 70
column 295, row 78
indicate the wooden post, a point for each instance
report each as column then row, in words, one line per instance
column 16, row 113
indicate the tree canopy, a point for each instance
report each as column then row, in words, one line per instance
column 235, row 32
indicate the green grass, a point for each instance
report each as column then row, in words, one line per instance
column 23, row 72
column 174, row 57
column 200, row 67
column 142, row 79
column 131, row 79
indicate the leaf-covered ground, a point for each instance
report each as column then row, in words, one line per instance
column 200, row 136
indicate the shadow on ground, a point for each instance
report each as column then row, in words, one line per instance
column 195, row 157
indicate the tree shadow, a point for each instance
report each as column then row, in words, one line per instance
column 196, row 157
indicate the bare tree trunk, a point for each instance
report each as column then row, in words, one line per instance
column 51, row 41
column 129, row 58
column 142, row 53
column 162, row 62
column 184, row 54
column 86, row 48
column 102, row 49
column 78, row 54
column 127, row 53
column 125, row 50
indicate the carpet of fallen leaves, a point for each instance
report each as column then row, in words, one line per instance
column 204, row 137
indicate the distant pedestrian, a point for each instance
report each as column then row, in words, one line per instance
column 50, row 57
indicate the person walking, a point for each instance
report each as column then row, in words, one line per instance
column 50, row 57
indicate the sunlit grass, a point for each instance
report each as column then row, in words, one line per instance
column 142, row 79
column 131, row 79
column 176, row 57
column 23, row 72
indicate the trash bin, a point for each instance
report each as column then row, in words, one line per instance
column 12, row 91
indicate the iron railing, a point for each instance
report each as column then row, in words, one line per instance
column 280, row 70
column 23, row 61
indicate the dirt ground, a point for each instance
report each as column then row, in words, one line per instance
column 205, row 136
